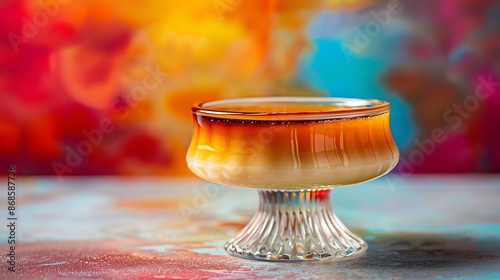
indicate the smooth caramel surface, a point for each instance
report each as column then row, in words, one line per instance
column 280, row 107
column 284, row 154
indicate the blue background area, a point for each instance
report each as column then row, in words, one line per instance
column 330, row 68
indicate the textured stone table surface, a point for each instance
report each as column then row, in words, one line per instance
column 169, row 228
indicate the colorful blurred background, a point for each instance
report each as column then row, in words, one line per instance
column 105, row 87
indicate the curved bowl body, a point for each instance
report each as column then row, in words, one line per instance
column 289, row 143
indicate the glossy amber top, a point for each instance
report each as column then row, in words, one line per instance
column 290, row 108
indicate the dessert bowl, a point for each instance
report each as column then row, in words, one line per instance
column 294, row 150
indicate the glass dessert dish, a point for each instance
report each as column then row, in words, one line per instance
column 293, row 150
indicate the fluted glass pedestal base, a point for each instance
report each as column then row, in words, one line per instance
column 295, row 226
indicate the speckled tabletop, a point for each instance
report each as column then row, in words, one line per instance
column 167, row 228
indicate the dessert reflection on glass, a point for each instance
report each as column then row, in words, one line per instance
column 294, row 150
